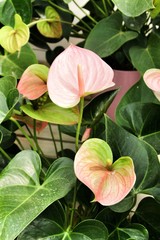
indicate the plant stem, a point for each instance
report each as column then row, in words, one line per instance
column 5, row 154
column 105, row 7
column 24, row 133
column 70, row 12
column 53, row 139
column 19, row 143
column 77, row 147
column 98, row 7
column 35, row 138
column 79, row 122
column 40, row 20
column 91, row 18
column 61, row 140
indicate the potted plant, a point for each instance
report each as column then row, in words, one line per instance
column 91, row 192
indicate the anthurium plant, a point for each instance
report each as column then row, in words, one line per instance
column 108, row 186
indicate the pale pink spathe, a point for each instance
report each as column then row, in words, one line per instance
column 110, row 182
column 77, row 72
column 152, row 80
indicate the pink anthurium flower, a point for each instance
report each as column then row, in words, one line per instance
column 76, row 73
column 32, row 84
column 110, row 182
column 152, row 80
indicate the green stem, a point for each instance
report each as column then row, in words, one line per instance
column 53, row 139
column 105, row 7
column 61, row 140
column 75, row 25
column 70, row 12
column 89, row 16
column 98, row 7
column 77, row 147
column 24, row 133
column 79, row 123
column 19, row 143
column 5, row 154
column 36, row 139
column 40, row 20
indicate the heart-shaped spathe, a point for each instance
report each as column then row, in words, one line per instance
column 109, row 182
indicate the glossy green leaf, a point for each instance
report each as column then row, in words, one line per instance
column 132, row 232
column 135, row 23
column 148, row 125
column 95, row 109
column 7, row 83
column 7, row 137
column 110, row 218
column 8, row 8
column 131, row 9
column 93, row 229
column 24, row 9
column 3, row 107
column 20, row 186
column 7, row 12
column 138, row 93
column 107, row 36
column 140, row 103
column 8, row 104
column 148, row 56
column 53, row 113
column 15, row 64
column 43, row 228
column 148, row 212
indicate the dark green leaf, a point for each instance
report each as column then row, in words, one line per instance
column 107, row 36
column 93, row 229
column 15, row 64
column 95, row 109
column 148, row 125
column 7, row 104
column 135, row 23
column 7, row 12
column 132, row 232
column 131, row 9
column 147, row 57
column 8, row 137
column 148, row 212
column 7, row 83
column 138, row 93
column 24, row 9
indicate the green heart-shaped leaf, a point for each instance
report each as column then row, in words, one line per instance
column 95, row 109
column 132, row 232
column 52, row 113
column 43, row 228
column 7, row 104
column 109, row 182
column 20, row 186
column 131, row 9
column 107, row 36
column 11, row 7
column 15, row 64
column 146, row 57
